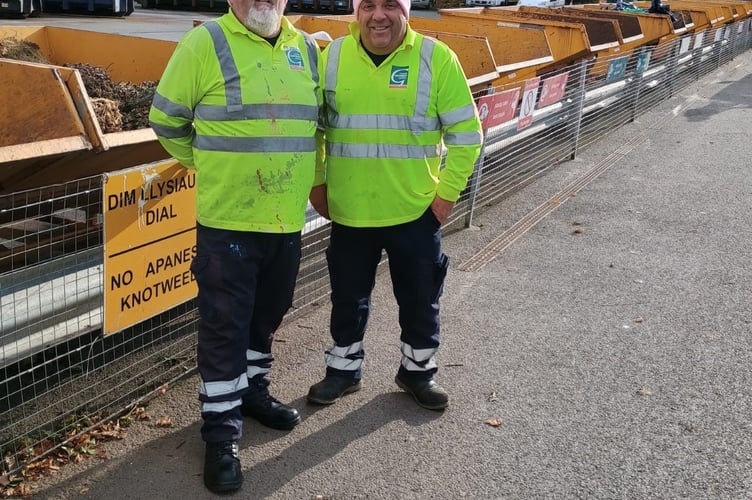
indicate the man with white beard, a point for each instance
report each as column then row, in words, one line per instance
column 239, row 103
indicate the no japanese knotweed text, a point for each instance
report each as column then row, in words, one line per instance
column 150, row 241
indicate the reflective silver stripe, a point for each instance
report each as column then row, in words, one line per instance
column 330, row 72
column 458, row 115
column 337, row 357
column 383, row 122
column 257, row 356
column 418, row 122
column 346, row 350
column 220, row 407
column 256, row 144
column 343, row 363
column 258, row 112
column 172, row 132
column 170, row 108
column 410, row 366
column 398, row 151
column 252, row 371
column 425, row 75
column 463, row 139
column 313, row 56
column 222, row 387
column 227, row 65
column 418, row 360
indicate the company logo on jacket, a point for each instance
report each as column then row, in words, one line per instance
column 294, row 58
column 398, row 78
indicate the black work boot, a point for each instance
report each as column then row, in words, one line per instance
column 259, row 404
column 426, row 393
column 222, row 472
column 331, row 389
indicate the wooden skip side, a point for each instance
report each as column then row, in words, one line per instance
column 42, row 111
column 476, row 57
column 743, row 8
column 603, row 34
column 719, row 14
column 531, row 44
column 568, row 42
column 654, row 27
column 632, row 30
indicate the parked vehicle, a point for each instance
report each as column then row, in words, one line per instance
column 35, row 8
column 330, row 6
column 423, row 4
column 21, row 8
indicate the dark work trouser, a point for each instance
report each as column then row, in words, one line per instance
column 245, row 286
column 417, row 266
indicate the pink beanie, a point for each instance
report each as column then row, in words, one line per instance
column 404, row 5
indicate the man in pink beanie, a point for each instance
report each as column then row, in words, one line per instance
column 394, row 99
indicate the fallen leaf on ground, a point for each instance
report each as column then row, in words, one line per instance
column 493, row 422
column 164, row 422
column 645, row 391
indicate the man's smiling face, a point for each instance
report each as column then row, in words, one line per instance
column 382, row 25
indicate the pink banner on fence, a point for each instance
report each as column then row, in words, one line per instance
column 495, row 109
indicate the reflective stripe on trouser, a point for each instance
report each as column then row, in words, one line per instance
column 235, row 322
column 417, row 267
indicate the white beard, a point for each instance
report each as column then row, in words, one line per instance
column 263, row 22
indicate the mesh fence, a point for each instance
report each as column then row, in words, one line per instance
column 60, row 375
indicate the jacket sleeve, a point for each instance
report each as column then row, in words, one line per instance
column 320, row 175
column 176, row 96
column 461, row 127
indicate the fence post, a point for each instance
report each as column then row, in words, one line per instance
column 696, row 52
column 635, row 84
column 718, row 45
column 474, row 182
column 577, row 106
column 673, row 68
column 733, row 40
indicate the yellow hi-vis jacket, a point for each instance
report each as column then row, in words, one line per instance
column 385, row 127
column 244, row 114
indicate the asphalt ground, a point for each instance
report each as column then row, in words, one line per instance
column 611, row 341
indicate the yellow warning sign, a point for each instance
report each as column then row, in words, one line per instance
column 150, row 241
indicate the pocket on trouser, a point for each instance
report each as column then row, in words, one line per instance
column 431, row 217
column 441, row 269
column 198, row 266
column 208, row 279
